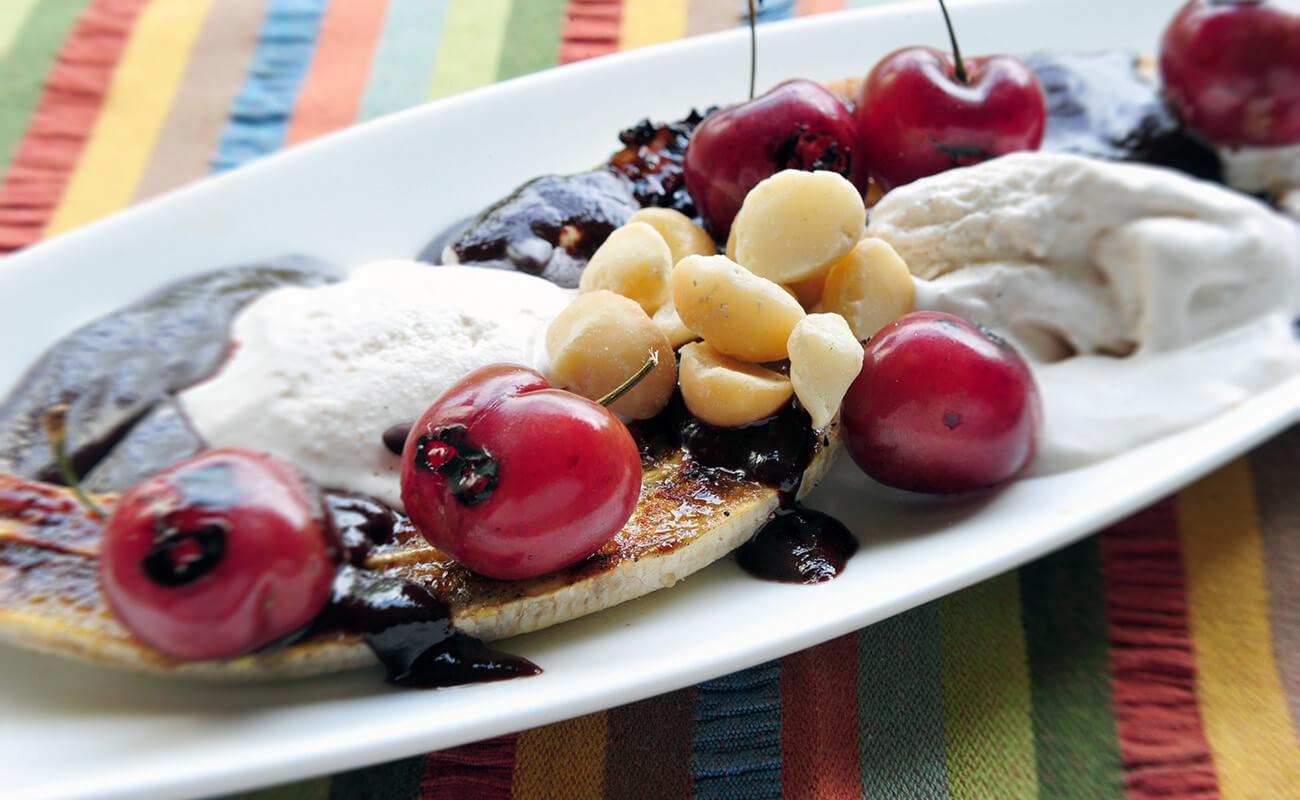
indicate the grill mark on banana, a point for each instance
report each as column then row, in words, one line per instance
column 686, row 519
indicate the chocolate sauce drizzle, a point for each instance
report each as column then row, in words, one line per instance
column 411, row 633
column 799, row 544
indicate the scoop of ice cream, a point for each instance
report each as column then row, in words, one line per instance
column 317, row 375
column 1147, row 301
column 1067, row 254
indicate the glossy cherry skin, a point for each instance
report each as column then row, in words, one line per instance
column 941, row 406
column 1231, row 70
column 797, row 125
column 515, row 479
column 915, row 118
column 218, row 555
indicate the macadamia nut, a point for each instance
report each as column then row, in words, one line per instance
column 683, row 236
column 729, row 393
column 634, row 261
column 825, row 358
column 671, row 324
column 870, row 287
column 794, row 225
column 734, row 310
column 599, row 341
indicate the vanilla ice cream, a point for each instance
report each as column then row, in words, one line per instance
column 1145, row 300
column 317, row 375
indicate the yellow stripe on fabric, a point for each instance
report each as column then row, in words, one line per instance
column 473, row 33
column 647, row 22
column 988, row 727
column 1242, row 704
column 139, row 98
column 13, row 14
column 566, row 760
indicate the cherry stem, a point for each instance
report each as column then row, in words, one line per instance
column 55, row 423
column 956, row 51
column 630, row 384
column 753, row 47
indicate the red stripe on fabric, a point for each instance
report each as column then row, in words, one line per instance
column 1162, row 741
column 819, row 722
column 483, row 770
column 590, row 29
column 331, row 91
column 64, row 119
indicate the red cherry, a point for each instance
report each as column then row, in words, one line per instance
column 515, row 479
column 218, row 555
column 941, row 406
column 1231, row 70
column 916, row 117
column 797, row 125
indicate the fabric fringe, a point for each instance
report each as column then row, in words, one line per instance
column 591, row 28
column 64, row 120
column 483, row 770
column 1161, row 738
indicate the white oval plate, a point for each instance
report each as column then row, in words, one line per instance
column 382, row 190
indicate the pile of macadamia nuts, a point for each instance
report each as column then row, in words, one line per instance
column 798, row 284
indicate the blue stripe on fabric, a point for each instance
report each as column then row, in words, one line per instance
column 737, row 751
column 407, row 52
column 259, row 118
column 900, row 707
column 775, row 10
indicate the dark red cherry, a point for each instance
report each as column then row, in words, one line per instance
column 917, row 117
column 797, row 125
column 1231, row 70
column 218, row 555
column 941, row 406
column 515, row 479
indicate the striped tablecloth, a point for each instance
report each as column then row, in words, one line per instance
column 1159, row 659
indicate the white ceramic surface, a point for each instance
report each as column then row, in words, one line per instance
column 381, row 190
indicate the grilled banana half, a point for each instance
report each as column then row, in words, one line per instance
column 687, row 517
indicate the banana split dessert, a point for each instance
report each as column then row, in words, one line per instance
column 963, row 271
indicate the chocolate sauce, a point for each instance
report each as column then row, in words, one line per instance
column 1101, row 105
column 113, row 371
column 410, row 631
column 798, row 545
column 394, row 438
column 548, row 227
column 363, row 524
column 652, row 159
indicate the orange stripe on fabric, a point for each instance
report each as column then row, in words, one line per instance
column 808, row 7
column 1245, row 711
column 819, row 722
column 74, row 94
column 332, row 90
column 1161, row 741
column 590, row 29
column 565, row 760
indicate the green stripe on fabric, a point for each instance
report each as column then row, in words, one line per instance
column 472, row 38
column 900, row 707
column 407, row 52
column 13, row 15
column 986, row 698
column 397, row 779
column 314, row 789
column 1067, row 641
column 25, row 65
column 533, row 36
